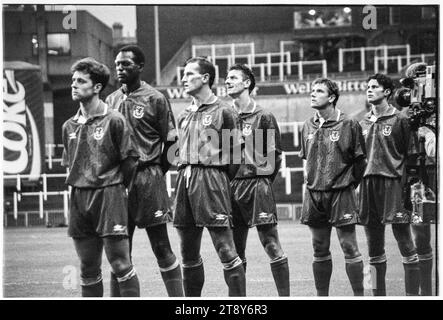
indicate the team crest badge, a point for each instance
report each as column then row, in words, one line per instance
column 207, row 120
column 98, row 133
column 334, row 135
column 387, row 130
column 138, row 112
column 247, row 129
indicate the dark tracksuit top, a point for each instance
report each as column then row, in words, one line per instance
column 149, row 114
column 387, row 142
column 259, row 119
column 332, row 151
column 95, row 148
column 196, row 125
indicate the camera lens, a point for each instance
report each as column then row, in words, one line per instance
column 402, row 97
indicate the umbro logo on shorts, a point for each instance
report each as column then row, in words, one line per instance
column 262, row 215
column 310, row 136
column 119, row 228
column 220, row 216
column 72, row 135
column 158, row 214
column 365, row 132
column 347, row 216
column 399, row 215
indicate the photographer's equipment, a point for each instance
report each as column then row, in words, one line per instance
column 418, row 92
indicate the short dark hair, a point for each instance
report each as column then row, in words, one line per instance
column 384, row 81
column 139, row 57
column 331, row 85
column 98, row 72
column 247, row 74
column 205, row 66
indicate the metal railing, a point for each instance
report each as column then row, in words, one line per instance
column 402, row 60
column 374, row 49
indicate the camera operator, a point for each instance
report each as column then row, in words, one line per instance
column 422, row 228
column 418, row 100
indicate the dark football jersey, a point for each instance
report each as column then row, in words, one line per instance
column 331, row 149
column 261, row 152
column 149, row 114
column 207, row 134
column 94, row 149
column 387, row 140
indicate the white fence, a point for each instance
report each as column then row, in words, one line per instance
column 42, row 195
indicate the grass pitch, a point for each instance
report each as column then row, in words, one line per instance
column 42, row 263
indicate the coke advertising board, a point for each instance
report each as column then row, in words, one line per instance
column 23, row 120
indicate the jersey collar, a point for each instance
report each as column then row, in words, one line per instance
column 194, row 106
column 389, row 112
column 251, row 107
column 80, row 118
column 334, row 118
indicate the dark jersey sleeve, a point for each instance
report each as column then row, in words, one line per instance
column 65, row 156
column 302, row 153
column 122, row 137
column 272, row 139
column 406, row 135
column 167, row 129
column 359, row 146
column 231, row 122
column 359, row 152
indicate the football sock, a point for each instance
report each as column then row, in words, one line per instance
column 280, row 272
column 235, row 277
column 354, row 270
column 172, row 277
column 322, row 268
column 115, row 288
column 129, row 285
column 412, row 275
column 378, row 273
column 425, row 264
column 193, row 279
column 92, row 287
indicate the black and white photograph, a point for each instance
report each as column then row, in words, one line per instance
column 225, row 151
